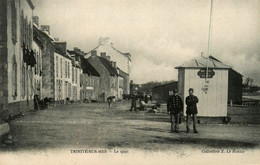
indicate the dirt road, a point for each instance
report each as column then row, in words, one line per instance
column 97, row 126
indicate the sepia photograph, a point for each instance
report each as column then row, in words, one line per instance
column 129, row 82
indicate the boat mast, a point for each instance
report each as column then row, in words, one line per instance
column 209, row 37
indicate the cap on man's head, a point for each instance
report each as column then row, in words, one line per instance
column 191, row 89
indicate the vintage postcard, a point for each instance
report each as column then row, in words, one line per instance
column 129, row 82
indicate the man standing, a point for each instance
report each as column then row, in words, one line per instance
column 134, row 97
column 191, row 102
column 174, row 108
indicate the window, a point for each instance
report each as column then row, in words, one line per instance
column 57, row 66
column 36, row 58
column 36, row 67
column 30, row 82
column 23, row 81
column 66, row 71
column 61, row 89
column 14, row 78
column 30, row 34
column 61, row 67
column 57, row 90
column 72, row 74
column 22, row 27
column 69, row 91
column 76, row 75
column 14, row 22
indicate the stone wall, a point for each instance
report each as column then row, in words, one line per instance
column 47, row 67
column 105, row 82
column 12, row 37
column 3, row 56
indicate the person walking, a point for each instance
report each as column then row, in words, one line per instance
column 192, row 111
column 174, row 108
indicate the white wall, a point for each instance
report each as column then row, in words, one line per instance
column 212, row 104
column 64, row 88
column 121, row 60
column 16, row 49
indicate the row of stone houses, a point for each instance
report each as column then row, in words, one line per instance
column 33, row 63
column 72, row 74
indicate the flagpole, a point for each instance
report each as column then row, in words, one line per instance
column 209, row 37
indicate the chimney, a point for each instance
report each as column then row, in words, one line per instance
column 45, row 28
column 103, row 54
column 61, row 47
column 93, row 53
column 104, row 41
column 76, row 49
column 36, row 20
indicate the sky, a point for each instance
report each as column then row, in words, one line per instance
column 160, row 35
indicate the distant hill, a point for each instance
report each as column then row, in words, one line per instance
column 147, row 87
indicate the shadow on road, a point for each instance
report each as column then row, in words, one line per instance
column 152, row 129
column 150, row 117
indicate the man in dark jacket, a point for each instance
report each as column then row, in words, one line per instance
column 191, row 102
column 134, row 97
column 174, row 108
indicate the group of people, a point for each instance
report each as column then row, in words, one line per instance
column 145, row 100
column 175, row 107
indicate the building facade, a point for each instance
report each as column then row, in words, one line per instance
column 213, row 96
column 123, row 60
column 89, row 77
column 108, row 75
column 47, row 65
column 17, row 56
column 124, row 82
column 67, row 74
column 161, row 93
column 37, row 48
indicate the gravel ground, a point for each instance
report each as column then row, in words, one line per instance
column 94, row 125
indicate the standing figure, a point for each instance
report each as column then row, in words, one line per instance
column 191, row 102
column 134, row 97
column 146, row 98
column 174, row 108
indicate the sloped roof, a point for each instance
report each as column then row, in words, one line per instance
column 37, row 40
column 85, row 65
column 88, row 68
column 30, row 4
column 37, row 30
column 201, row 62
column 169, row 83
column 128, row 55
column 60, row 51
column 108, row 66
column 62, row 54
column 122, row 73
